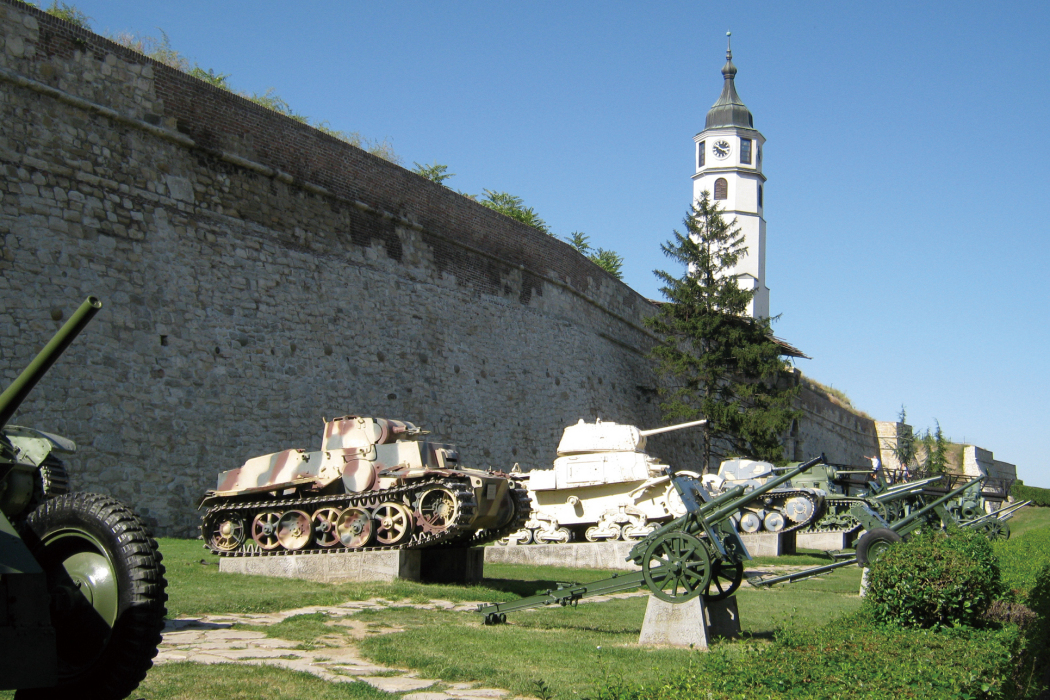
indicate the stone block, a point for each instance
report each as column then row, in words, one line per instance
column 824, row 541
column 335, row 567
column 689, row 624
column 576, row 555
column 769, row 544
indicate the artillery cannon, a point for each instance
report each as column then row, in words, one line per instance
column 699, row 553
column 603, row 487
column 81, row 583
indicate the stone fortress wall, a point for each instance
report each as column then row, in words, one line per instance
column 258, row 274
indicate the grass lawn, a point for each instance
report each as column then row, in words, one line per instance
column 1028, row 519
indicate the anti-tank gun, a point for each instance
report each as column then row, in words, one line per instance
column 699, row 553
column 81, row 583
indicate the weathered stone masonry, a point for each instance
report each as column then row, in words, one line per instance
column 258, row 274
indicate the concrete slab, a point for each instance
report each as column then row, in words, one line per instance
column 334, row 567
column 769, row 544
column 824, row 541
column 723, row 618
column 398, row 684
column 466, row 566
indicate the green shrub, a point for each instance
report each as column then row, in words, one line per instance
column 1021, row 558
column 1038, row 496
column 934, row 580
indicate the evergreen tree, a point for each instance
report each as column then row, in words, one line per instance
column 716, row 361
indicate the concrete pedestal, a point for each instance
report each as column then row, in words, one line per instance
column 824, row 541
column 689, row 624
column 613, row 555
column 427, row 565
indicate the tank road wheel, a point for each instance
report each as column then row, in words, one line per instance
column 726, row 577
column 294, row 530
column 354, row 528
column 799, row 509
column 774, row 522
column 323, row 524
column 561, row 535
column 106, row 584
column 225, row 532
column 749, row 522
column 437, row 509
column 393, row 523
column 264, row 530
column 598, row 534
column 676, row 567
column 873, row 543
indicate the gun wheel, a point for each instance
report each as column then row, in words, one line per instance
column 393, row 523
column 873, row 543
column 354, row 528
column 264, row 530
column 106, row 583
column 996, row 530
column 676, row 567
column 324, row 527
column 726, row 577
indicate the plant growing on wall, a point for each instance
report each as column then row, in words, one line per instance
column 514, row 207
column 608, row 260
column 435, row 173
column 716, row 361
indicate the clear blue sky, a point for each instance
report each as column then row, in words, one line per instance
column 906, row 155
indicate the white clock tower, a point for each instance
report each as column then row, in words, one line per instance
column 729, row 167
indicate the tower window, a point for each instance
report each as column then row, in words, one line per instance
column 701, row 154
column 758, row 154
column 721, row 188
column 760, row 196
column 745, row 151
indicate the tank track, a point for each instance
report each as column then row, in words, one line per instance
column 420, row 538
column 783, row 496
column 522, row 513
column 844, row 503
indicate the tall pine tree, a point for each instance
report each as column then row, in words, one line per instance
column 716, row 361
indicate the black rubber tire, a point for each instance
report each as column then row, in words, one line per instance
column 871, row 538
column 126, row 650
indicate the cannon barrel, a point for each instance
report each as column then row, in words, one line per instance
column 669, row 428
column 905, row 489
column 929, row 507
column 998, row 514
column 16, row 393
column 715, row 511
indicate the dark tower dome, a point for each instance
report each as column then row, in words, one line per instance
column 729, row 110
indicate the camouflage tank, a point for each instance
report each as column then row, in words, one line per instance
column 374, row 484
column 603, row 487
column 783, row 509
column 82, row 589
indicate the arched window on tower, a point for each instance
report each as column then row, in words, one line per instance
column 721, row 188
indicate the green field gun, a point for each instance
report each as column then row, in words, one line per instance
column 700, row 553
column 881, row 534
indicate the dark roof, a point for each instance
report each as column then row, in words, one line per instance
column 729, row 110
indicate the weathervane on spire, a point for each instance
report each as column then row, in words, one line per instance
column 729, row 46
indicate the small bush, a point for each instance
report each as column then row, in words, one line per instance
column 933, row 580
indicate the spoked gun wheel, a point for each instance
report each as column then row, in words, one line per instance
column 107, row 585
column 677, row 567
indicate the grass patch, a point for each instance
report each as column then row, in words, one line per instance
column 559, row 647
column 196, row 588
column 1028, row 519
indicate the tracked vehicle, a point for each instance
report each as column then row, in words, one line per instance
column 788, row 507
column 603, row 487
column 375, row 483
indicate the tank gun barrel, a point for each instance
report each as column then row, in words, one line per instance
column 17, row 392
column 714, row 513
column 669, row 428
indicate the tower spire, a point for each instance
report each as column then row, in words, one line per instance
column 729, row 110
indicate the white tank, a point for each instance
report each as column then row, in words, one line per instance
column 603, row 486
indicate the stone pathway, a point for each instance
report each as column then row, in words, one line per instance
column 212, row 639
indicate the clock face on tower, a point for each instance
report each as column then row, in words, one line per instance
column 721, row 148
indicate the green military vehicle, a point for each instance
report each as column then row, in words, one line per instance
column 82, row 589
